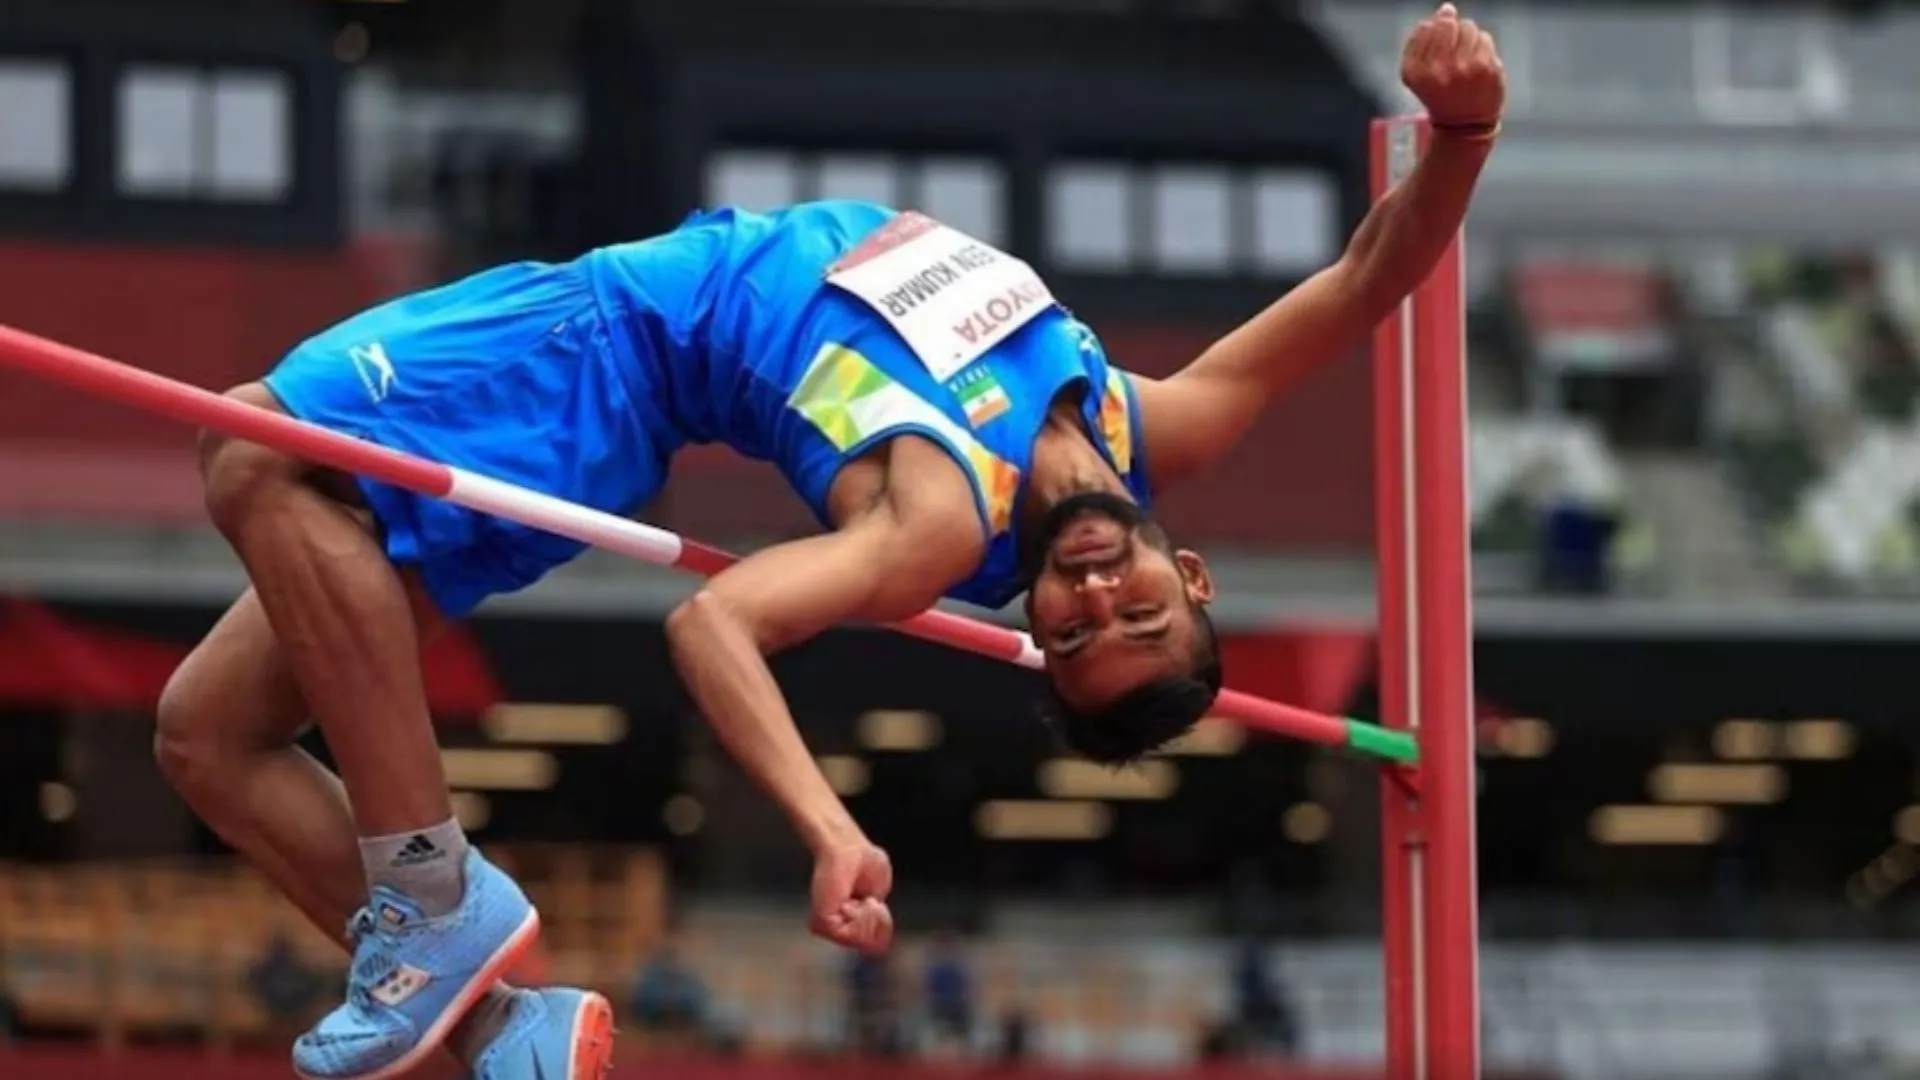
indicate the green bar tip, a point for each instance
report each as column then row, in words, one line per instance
column 1384, row 743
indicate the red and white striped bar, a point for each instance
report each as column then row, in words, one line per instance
column 148, row 392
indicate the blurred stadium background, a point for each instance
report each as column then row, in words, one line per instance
column 1695, row 363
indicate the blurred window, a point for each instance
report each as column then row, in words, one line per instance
column 753, row 179
column 1090, row 217
column 1190, row 218
column 222, row 135
column 867, row 177
column 1296, row 217
column 36, row 98
column 968, row 193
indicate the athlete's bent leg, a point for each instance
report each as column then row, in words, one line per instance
column 442, row 923
column 227, row 722
column 344, row 622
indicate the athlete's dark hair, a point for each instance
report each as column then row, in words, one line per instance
column 1147, row 717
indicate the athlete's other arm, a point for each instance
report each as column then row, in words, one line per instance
column 1195, row 416
column 888, row 564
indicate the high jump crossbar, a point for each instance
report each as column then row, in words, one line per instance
column 100, row 377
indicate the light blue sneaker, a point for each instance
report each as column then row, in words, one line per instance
column 413, row 978
column 554, row 1034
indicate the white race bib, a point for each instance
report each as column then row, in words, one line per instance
column 950, row 296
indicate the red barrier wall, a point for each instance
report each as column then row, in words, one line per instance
column 208, row 317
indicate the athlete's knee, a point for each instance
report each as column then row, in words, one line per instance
column 195, row 741
column 236, row 473
column 181, row 743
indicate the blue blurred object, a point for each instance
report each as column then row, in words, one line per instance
column 1575, row 540
column 669, row 996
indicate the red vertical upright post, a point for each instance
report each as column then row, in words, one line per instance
column 1430, row 899
column 1443, row 636
column 1400, row 835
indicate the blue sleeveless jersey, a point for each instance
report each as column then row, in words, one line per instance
column 732, row 322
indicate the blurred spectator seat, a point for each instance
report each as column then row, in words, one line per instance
column 948, row 995
column 1263, row 1013
column 131, row 951
column 1842, row 484
column 1530, row 477
column 873, row 1006
column 287, row 990
column 1851, row 521
column 669, row 997
column 120, row 950
column 1513, row 460
column 602, row 909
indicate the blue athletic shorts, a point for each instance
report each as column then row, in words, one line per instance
column 514, row 374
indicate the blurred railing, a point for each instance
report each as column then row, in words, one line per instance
column 127, row 954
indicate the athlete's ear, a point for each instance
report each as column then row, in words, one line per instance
column 1197, row 577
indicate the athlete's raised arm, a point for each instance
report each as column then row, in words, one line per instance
column 884, row 566
column 1194, row 417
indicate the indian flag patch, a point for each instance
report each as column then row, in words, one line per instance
column 981, row 397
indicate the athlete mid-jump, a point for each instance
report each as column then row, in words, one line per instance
column 956, row 431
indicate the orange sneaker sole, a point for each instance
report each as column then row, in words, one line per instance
column 593, row 1034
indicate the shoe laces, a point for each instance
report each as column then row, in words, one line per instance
column 370, row 964
column 360, row 926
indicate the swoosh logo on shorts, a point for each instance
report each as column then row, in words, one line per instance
column 375, row 369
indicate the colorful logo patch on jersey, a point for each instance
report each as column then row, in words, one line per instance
column 982, row 397
column 850, row 401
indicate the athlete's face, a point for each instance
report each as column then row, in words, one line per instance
column 1112, row 604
